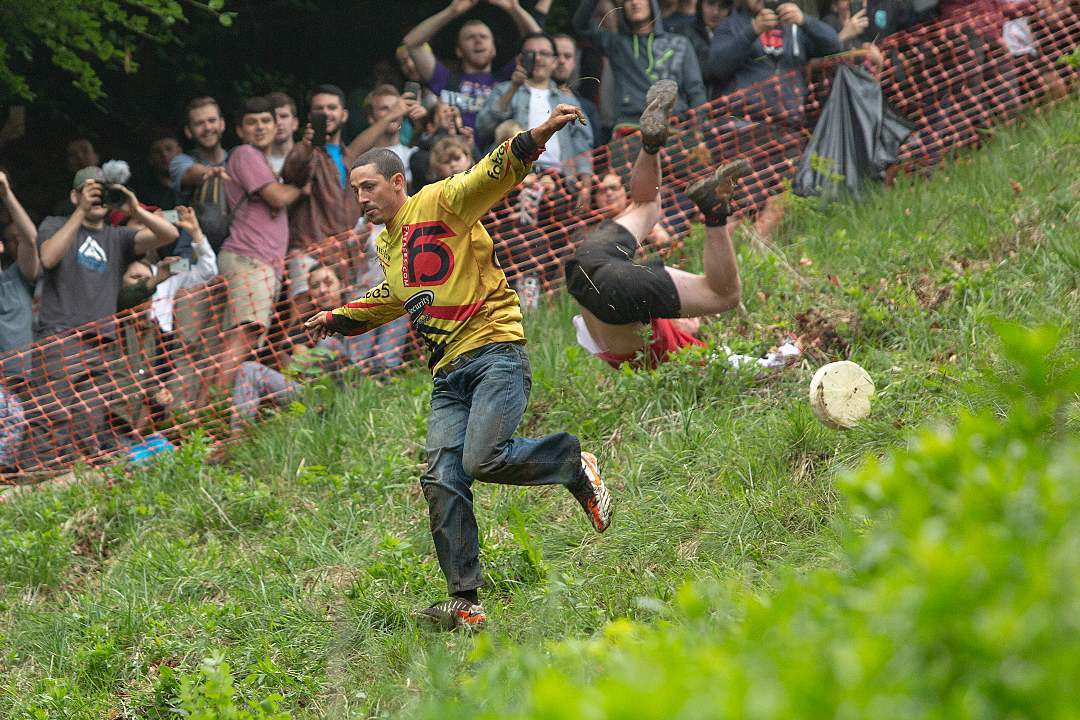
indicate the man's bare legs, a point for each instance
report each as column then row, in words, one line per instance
column 639, row 219
column 716, row 291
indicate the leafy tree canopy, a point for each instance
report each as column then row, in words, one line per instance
column 83, row 37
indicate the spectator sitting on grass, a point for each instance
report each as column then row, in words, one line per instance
column 256, row 384
column 12, row 429
column 530, row 98
column 640, row 53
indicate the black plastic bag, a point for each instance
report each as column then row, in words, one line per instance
column 857, row 137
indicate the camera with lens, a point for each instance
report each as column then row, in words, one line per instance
column 115, row 172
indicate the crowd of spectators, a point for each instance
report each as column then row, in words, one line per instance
column 257, row 214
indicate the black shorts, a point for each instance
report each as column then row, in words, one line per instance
column 606, row 280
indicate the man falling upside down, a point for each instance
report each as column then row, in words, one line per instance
column 619, row 295
column 441, row 269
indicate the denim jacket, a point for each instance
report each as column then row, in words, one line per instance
column 575, row 140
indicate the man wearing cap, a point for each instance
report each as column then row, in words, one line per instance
column 83, row 260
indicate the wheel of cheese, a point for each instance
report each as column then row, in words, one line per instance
column 840, row 394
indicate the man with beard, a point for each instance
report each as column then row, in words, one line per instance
column 329, row 208
column 469, row 88
column 441, row 269
column 204, row 126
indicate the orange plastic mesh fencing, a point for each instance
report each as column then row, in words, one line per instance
column 124, row 387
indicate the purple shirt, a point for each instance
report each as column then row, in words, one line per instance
column 257, row 231
column 468, row 95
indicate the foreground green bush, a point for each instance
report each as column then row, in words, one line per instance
column 958, row 594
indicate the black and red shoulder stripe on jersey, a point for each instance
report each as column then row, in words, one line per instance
column 525, row 148
column 344, row 326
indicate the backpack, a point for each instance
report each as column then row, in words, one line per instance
column 212, row 210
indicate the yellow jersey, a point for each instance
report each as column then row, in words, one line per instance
column 440, row 263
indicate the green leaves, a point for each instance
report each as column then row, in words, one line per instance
column 84, row 37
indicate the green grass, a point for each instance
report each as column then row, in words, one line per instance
column 301, row 558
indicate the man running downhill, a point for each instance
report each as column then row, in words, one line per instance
column 442, row 270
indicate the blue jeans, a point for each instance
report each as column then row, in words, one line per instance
column 476, row 406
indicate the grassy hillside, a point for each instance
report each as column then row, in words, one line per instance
column 299, row 560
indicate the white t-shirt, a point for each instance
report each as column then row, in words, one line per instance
column 277, row 162
column 404, row 153
column 539, row 110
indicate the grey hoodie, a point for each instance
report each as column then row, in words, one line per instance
column 638, row 61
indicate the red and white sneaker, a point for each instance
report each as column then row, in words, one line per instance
column 454, row 614
column 593, row 494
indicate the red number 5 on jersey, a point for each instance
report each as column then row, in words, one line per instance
column 425, row 258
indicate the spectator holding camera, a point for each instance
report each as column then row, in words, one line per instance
column 468, row 89
column 529, row 97
column 386, row 110
column 762, row 40
column 858, row 22
column 642, row 52
column 19, row 268
column 83, row 258
column 321, row 160
column 442, row 123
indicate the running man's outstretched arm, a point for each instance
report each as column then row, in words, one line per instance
column 377, row 307
column 472, row 193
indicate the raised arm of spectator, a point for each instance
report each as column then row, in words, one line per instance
column 367, row 139
column 733, row 44
column 157, row 231
column 53, row 248
column 205, row 259
column 524, row 20
column 280, row 195
column 417, row 40
column 297, row 168
column 26, row 256
column 584, row 27
column 540, row 12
